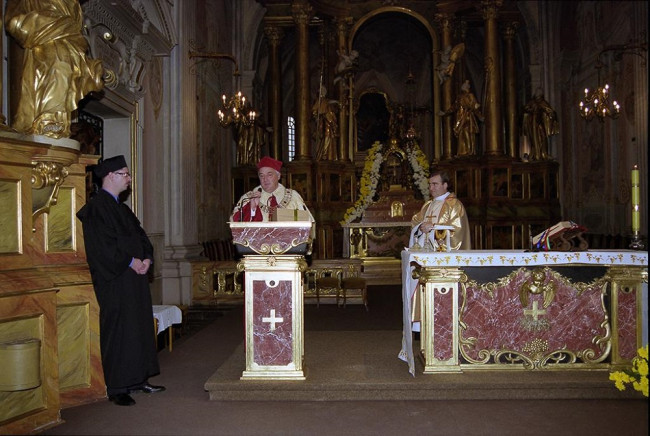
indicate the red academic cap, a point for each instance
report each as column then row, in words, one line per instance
column 269, row 162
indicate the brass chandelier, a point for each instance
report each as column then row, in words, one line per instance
column 236, row 112
column 597, row 103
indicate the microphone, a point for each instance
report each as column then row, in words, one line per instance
column 241, row 203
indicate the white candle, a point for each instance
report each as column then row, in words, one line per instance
column 636, row 199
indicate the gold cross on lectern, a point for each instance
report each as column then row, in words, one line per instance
column 535, row 311
column 272, row 319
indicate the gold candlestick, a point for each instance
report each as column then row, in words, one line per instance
column 636, row 243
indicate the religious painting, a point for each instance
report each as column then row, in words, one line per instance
column 335, row 187
column 347, row 189
column 518, row 238
column 372, row 119
column 552, row 185
column 516, row 186
column 500, row 182
column 536, row 186
column 502, row 237
column 462, row 185
column 238, row 188
column 298, row 182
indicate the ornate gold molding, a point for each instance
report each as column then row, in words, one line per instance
column 47, row 178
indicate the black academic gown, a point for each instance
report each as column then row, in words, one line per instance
column 113, row 236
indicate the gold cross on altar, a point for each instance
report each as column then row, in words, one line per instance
column 535, row 311
column 272, row 319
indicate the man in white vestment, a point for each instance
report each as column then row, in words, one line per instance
column 443, row 209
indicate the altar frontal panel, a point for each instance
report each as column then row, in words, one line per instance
column 537, row 318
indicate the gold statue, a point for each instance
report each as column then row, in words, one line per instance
column 540, row 122
column 535, row 285
column 327, row 127
column 56, row 71
column 466, row 128
column 250, row 140
column 448, row 58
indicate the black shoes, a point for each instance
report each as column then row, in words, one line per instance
column 122, row 399
column 147, row 389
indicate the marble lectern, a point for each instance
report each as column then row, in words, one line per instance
column 273, row 264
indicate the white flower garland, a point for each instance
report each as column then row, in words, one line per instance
column 370, row 178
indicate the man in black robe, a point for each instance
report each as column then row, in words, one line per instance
column 119, row 255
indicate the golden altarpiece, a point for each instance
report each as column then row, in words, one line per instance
column 363, row 200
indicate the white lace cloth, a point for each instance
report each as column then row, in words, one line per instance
column 166, row 316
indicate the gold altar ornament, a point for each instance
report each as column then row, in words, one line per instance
column 636, row 199
column 637, row 243
column 57, row 72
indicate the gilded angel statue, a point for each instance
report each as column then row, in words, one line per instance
column 448, row 58
column 537, row 286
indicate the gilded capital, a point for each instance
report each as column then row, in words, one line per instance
column 511, row 30
column 490, row 8
column 343, row 25
column 274, row 34
column 445, row 20
column 302, row 13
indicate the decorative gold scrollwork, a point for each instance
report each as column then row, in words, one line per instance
column 377, row 234
column 47, row 177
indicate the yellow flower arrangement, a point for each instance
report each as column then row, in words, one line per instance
column 638, row 375
column 420, row 167
column 370, row 178
column 368, row 185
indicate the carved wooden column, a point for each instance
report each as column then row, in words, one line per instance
column 3, row 120
column 493, row 122
column 302, row 13
column 512, row 127
column 445, row 23
column 345, row 100
column 274, row 35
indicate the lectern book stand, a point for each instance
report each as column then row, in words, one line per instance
column 273, row 263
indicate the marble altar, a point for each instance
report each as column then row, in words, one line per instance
column 512, row 309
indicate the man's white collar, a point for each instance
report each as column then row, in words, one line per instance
column 442, row 197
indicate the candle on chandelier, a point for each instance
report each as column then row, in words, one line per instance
column 636, row 199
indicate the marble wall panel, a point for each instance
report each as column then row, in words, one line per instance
column 10, row 217
column 80, row 365
column 496, row 320
column 60, row 223
column 627, row 323
column 272, row 322
column 443, row 332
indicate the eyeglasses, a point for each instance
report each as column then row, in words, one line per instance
column 123, row 174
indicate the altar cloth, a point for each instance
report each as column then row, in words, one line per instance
column 464, row 258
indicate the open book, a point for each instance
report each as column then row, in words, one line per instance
column 562, row 231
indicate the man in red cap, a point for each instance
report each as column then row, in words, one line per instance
column 258, row 204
